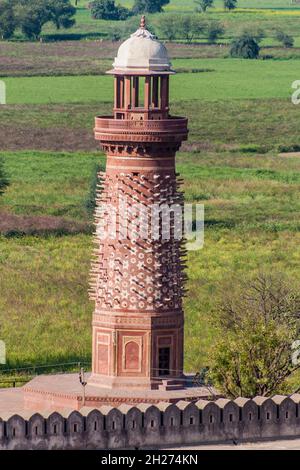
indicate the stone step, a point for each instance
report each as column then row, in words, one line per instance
column 171, row 384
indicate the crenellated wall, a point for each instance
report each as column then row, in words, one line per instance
column 148, row 426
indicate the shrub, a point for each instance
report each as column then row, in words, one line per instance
column 149, row 6
column 190, row 27
column 31, row 24
column 214, row 31
column 230, row 4
column 256, row 33
column 61, row 13
column 32, row 16
column 168, row 26
column 289, row 148
column 3, row 178
column 7, row 20
column 257, row 321
column 115, row 36
column 203, row 5
column 245, row 47
column 108, row 10
column 128, row 27
column 285, row 39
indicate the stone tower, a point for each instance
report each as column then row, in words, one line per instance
column 138, row 269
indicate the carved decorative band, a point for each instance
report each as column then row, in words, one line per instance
column 131, row 149
column 145, row 324
column 108, row 123
column 138, row 168
column 139, row 138
column 138, row 313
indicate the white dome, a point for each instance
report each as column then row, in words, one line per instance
column 142, row 52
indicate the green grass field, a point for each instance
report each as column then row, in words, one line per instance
column 267, row 15
column 189, row 5
column 227, row 79
column 240, row 118
column 252, row 221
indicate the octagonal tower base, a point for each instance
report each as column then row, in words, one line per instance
column 55, row 392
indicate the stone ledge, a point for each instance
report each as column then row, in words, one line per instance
column 64, row 390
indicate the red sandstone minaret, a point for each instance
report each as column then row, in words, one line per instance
column 138, row 282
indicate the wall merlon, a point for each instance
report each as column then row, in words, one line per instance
column 145, row 425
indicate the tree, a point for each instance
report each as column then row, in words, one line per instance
column 7, row 19
column 256, row 33
column 230, row 4
column 245, row 46
column 3, row 178
column 285, row 39
column 203, row 5
column 190, row 27
column 108, row 10
column 168, row 26
column 257, row 322
column 31, row 16
column 149, row 6
column 214, row 30
column 128, row 27
column 62, row 13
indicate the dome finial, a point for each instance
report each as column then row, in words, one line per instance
column 143, row 22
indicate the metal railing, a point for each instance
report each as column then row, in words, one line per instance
column 14, row 382
column 20, row 375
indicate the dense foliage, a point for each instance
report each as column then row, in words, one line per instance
column 230, row 4
column 108, row 10
column 203, row 5
column 285, row 39
column 31, row 16
column 214, row 31
column 7, row 19
column 245, row 47
column 3, row 178
column 189, row 27
column 149, row 6
column 258, row 321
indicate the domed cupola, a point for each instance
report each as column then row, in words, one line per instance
column 141, row 69
column 142, row 53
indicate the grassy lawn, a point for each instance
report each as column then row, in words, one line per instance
column 256, row 126
column 77, row 58
column 267, row 20
column 44, row 289
column 226, row 79
column 190, row 5
column 60, row 183
column 252, row 222
column 267, row 15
